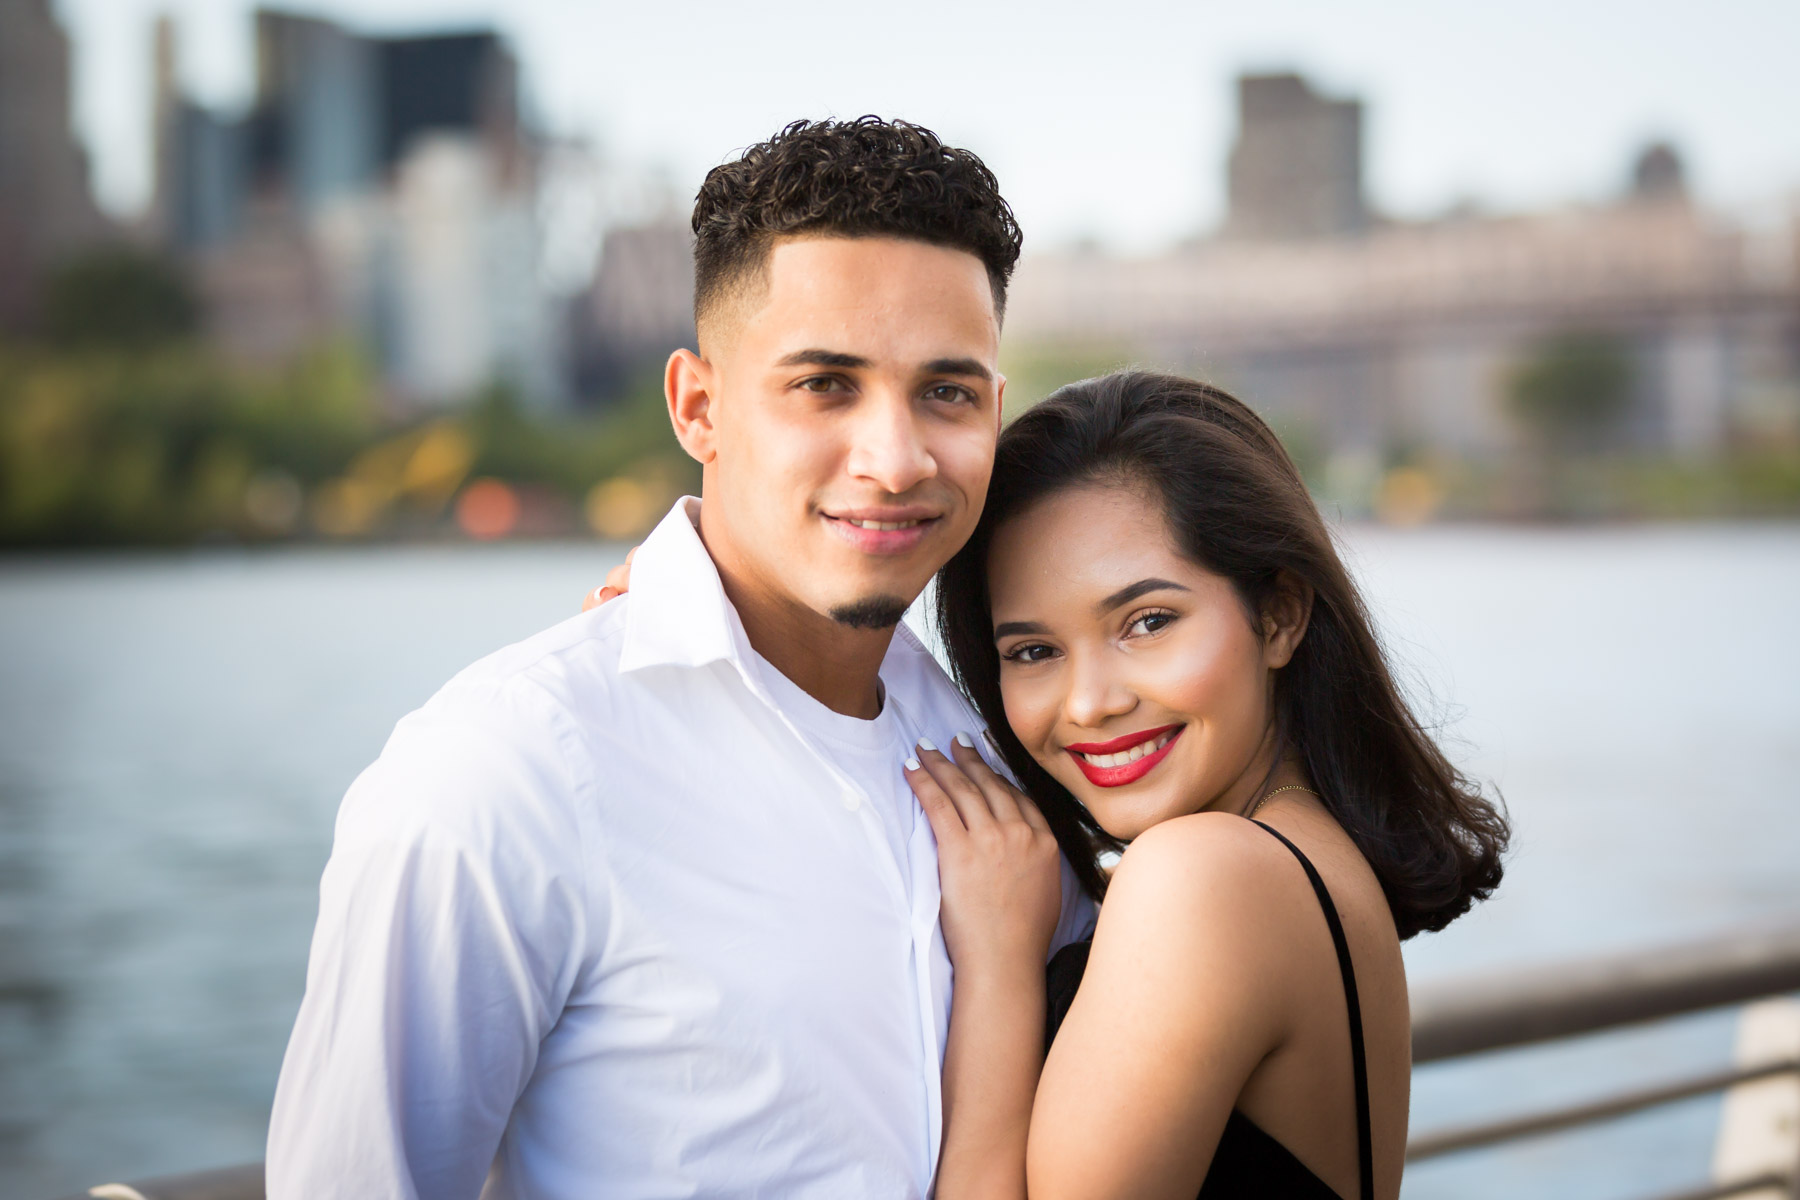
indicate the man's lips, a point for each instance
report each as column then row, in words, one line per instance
column 882, row 530
column 1125, row 759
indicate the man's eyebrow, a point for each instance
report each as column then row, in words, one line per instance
column 1130, row 592
column 824, row 358
column 958, row 366
column 1013, row 627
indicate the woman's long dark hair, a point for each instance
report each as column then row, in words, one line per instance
column 1238, row 507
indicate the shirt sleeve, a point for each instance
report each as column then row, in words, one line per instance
column 452, row 927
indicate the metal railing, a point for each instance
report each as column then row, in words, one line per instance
column 1472, row 1015
column 1465, row 1016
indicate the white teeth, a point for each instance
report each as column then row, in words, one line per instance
column 1132, row 755
column 881, row 525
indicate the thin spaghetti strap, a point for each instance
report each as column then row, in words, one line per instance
column 1358, row 1058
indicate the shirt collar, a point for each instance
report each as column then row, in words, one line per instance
column 679, row 615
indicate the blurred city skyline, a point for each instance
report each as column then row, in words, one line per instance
column 1115, row 131
column 400, row 280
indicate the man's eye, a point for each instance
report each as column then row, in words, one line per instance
column 1030, row 652
column 950, row 393
column 820, row 383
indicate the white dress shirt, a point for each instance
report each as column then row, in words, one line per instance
column 604, row 920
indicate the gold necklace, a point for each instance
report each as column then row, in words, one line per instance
column 1274, row 792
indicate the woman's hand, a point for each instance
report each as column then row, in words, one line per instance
column 998, row 863
column 618, row 582
column 1002, row 893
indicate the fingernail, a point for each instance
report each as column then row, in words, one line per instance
column 912, row 764
column 925, row 744
column 964, row 739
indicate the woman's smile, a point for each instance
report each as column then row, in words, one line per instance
column 1125, row 759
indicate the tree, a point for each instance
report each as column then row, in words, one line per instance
column 119, row 298
column 1573, row 391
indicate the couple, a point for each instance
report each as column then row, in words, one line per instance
column 669, row 899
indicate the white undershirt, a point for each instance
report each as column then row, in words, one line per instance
column 869, row 752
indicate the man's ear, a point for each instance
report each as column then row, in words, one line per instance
column 688, row 383
column 1284, row 621
column 999, row 402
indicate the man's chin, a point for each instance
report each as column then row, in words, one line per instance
column 870, row 612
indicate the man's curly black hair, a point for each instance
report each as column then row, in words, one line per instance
column 861, row 178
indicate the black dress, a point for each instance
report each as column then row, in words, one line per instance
column 1249, row 1164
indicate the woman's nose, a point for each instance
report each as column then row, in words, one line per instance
column 1097, row 692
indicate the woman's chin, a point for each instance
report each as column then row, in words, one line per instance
column 1123, row 819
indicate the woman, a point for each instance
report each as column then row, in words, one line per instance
column 1153, row 621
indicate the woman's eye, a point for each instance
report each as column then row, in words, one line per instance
column 1030, row 652
column 1150, row 622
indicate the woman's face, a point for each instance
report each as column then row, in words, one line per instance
column 1136, row 678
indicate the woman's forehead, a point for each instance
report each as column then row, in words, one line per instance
column 1079, row 544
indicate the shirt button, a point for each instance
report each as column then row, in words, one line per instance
column 851, row 800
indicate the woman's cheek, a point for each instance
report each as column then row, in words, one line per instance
column 1031, row 706
column 1209, row 670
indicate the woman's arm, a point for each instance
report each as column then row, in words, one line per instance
column 1190, row 986
column 1002, row 894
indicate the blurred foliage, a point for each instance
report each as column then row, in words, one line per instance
column 123, row 442
column 126, row 430
column 1573, row 391
column 119, row 297
column 1034, row 370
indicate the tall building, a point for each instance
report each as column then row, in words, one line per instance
column 383, row 187
column 639, row 307
column 1658, row 174
column 1296, row 168
column 46, row 208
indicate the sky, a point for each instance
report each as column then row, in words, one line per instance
column 1107, row 121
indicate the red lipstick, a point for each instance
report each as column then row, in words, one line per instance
column 1123, row 773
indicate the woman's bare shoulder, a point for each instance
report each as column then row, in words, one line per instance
column 1204, row 858
column 1197, row 888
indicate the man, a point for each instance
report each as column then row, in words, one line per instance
column 643, row 906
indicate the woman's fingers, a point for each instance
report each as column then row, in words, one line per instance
column 1002, row 798
column 618, row 582
column 971, row 805
column 940, row 810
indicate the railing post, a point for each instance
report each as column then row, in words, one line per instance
column 1759, row 1121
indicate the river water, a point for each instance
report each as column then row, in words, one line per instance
column 176, row 731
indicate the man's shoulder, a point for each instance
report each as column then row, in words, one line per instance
column 912, row 672
column 498, row 749
column 565, row 668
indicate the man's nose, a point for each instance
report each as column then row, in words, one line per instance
column 1097, row 690
column 889, row 445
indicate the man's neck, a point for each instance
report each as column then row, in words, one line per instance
column 836, row 665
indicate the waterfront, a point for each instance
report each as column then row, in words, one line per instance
column 176, row 731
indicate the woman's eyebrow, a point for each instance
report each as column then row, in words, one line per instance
column 1009, row 628
column 1130, row 592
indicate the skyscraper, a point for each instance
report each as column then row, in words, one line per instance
column 1296, row 169
column 46, row 208
column 390, row 180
